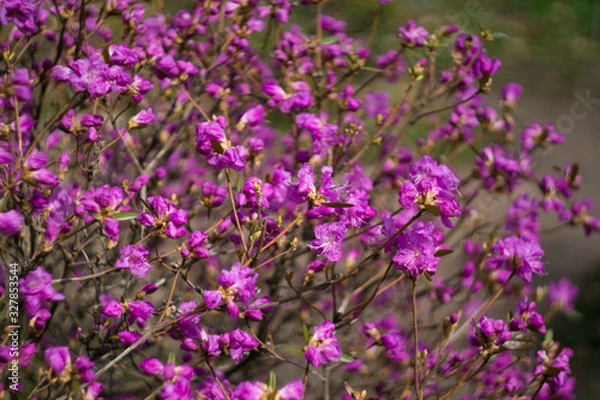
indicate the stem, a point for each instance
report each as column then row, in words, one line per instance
column 418, row 392
column 86, row 277
column 319, row 34
column 235, row 214
column 18, row 124
column 305, row 379
column 218, row 380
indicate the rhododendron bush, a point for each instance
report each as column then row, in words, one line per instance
column 219, row 203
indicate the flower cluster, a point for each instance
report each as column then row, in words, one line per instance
column 323, row 347
column 433, row 188
column 186, row 188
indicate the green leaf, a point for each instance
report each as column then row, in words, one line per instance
column 549, row 336
column 305, row 333
column 372, row 69
column 125, row 216
column 272, row 381
column 443, row 252
column 3, row 202
column 552, row 372
column 291, row 350
column 330, row 40
column 338, row 205
column 427, row 276
column 346, row 358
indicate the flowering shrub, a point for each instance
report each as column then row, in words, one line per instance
column 221, row 204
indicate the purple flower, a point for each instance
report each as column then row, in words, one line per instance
column 212, row 142
column 90, row 74
column 433, row 187
column 416, row 249
column 39, row 320
column 59, row 359
column 83, row 367
column 166, row 217
column 299, row 98
column 35, row 170
column 195, row 243
column 519, row 255
column 540, row 136
column 135, row 259
column 579, row 216
column 238, row 344
column 499, row 169
column 328, row 240
column 347, row 99
column 101, row 201
column 252, row 117
column 93, row 391
column 554, row 366
column 323, row 347
column 258, row 390
column 36, row 287
column 236, row 284
column 6, row 157
column 377, row 104
column 112, row 309
column 304, row 188
column 395, row 345
column 412, row 35
column 122, row 55
column 292, row 391
column 510, row 94
column 127, row 338
column 562, row 295
column 143, row 118
column 10, row 223
column 140, row 312
column 151, row 366
column 393, row 66
column 522, row 217
column 489, row 333
column 526, row 318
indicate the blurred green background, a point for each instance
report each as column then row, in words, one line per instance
column 552, row 49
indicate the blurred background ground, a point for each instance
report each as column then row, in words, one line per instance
column 552, row 49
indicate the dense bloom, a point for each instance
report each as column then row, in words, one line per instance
column 245, row 158
column 212, row 142
column 165, row 217
column 433, row 187
column 235, row 284
column 416, row 250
